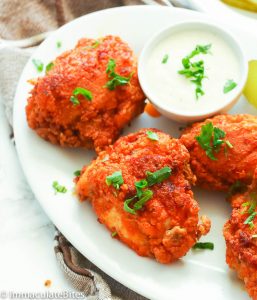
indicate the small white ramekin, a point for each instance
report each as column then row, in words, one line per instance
column 189, row 116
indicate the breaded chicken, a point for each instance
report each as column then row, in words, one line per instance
column 240, row 233
column 140, row 190
column 108, row 98
column 234, row 157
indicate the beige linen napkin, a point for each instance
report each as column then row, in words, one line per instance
column 21, row 19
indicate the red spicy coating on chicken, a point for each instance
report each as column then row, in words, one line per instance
column 91, row 124
column 167, row 226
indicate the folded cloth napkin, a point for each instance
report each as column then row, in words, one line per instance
column 21, row 19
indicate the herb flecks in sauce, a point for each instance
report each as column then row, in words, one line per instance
column 195, row 70
column 165, row 59
column 229, row 86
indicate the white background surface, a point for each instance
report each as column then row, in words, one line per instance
column 204, row 273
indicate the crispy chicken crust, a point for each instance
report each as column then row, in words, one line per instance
column 168, row 225
column 241, row 251
column 92, row 124
column 236, row 164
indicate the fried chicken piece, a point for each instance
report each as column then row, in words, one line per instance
column 167, row 225
column 231, row 164
column 90, row 124
column 241, row 238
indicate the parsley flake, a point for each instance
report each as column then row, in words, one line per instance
column 74, row 100
column 206, row 245
column 77, row 173
column 95, row 44
column 204, row 49
column 126, row 206
column 251, row 210
column 210, row 139
column 229, row 86
column 195, row 70
column 114, row 233
column 250, row 219
column 84, row 92
column 59, row 188
column 152, row 135
column 143, row 194
column 158, row 176
column 80, row 91
column 140, row 185
column 115, row 79
column 38, row 64
column 58, row 44
column 165, row 59
column 116, row 180
column 49, row 66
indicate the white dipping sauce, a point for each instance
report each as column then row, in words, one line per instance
column 176, row 90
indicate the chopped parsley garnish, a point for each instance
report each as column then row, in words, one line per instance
column 200, row 49
column 77, row 173
column 80, row 91
column 251, row 210
column 74, row 100
column 195, row 70
column 245, row 207
column 229, row 144
column 38, row 64
column 49, row 66
column 165, row 59
column 110, row 66
column 140, row 185
column 58, row 44
column 158, row 176
column 95, row 44
column 84, row 92
column 116, row 180
column 143, row 194
column 253, row 203
column 152, row 135
column 211, row 138
column 249, row 220
column 127, row 208
column 114, row 233
column 115, row 79
column 206, row 245
column 229, row 86
column 59, row 188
